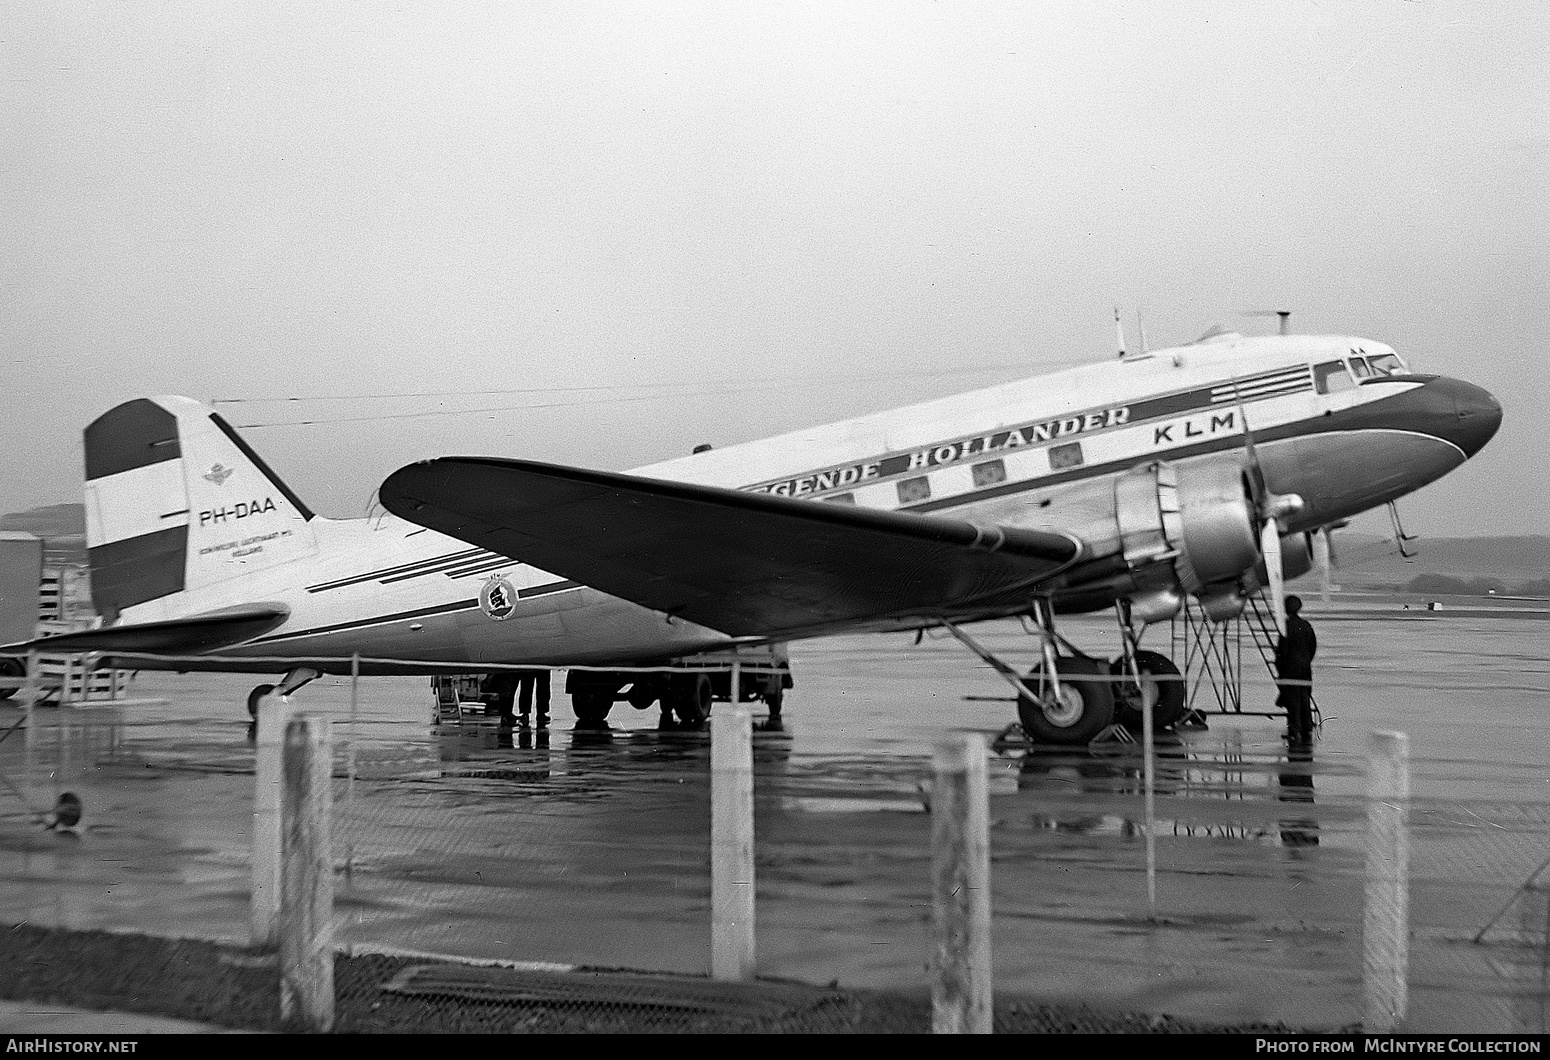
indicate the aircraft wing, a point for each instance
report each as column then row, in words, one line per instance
column 748, row 564
column 181, row 636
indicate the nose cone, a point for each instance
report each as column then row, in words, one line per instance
column 1476, row 414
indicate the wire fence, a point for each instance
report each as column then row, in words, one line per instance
column 491, row 879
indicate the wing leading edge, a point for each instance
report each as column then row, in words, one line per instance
column 748, row 564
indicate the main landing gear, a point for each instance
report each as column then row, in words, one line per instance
column 1072, row 698
column 288, row 684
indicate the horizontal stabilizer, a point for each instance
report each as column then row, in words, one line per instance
column 180, row 636
column 748, row 564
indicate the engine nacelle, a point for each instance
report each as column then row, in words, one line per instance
column 1296, row 559
column 1190, row 530
column 1224, row 602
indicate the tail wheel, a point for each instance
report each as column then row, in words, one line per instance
column 1165, row 695
column 254, row 696
column 10, row 668
column 1082, row 710
column 591, row 706
column 691, row 696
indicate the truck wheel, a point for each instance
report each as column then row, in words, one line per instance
column 691, row 696
column 591, row 707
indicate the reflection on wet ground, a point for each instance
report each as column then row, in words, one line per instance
column 1193, row 774
column 592, row 847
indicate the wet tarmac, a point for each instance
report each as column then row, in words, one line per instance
column 575, row 847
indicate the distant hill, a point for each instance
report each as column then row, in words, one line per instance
column 1368, row 561
column 61, row 526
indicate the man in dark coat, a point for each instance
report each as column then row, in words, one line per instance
column 502, row 687
column 531, row 682
column 1294, row 662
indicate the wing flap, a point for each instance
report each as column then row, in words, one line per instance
column 748, row 564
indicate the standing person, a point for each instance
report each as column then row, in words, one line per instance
column 530, row 682
column 502, row 686
column 1294, row 662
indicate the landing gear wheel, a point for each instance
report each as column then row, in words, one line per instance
column 591, row 707
column 254, row 696
column 1166, row 696
column 773, row 700
column 1083, row 709
column 690, row 697
column 10, row 668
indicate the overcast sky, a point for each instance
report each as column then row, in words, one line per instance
column 632, row 227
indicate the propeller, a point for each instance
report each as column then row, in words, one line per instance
column 1271, row 510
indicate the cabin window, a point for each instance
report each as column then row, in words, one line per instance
column 842, row 498
column 989, row 473
column 1063, row 456
column 1331, row 377
column 1388, row 364
column 914, row 489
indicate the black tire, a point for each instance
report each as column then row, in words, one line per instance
column 591, row 706
column 11, row 668
column 1167, row 695
column 773, row 699
column 691, row 698
column 1085, row 707
column 254, row 696
column 642, row 694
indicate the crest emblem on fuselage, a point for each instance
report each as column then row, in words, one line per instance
column 218, row 474
column 498, row 599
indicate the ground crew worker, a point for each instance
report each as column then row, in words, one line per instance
column 529, row 683
column 1294, row 662
column 503, row 687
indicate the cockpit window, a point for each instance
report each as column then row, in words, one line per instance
column 1388, row 364
column 1359, row 366
column 1331, row 377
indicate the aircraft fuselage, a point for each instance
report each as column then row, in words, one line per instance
column 1338, row 421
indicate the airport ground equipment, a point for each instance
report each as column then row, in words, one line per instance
column 21, row 574
column 685, row 690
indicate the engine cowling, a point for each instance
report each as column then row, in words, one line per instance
column 1186, row 529
column 1296, row 559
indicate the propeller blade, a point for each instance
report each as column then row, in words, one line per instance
column 1322, row 560
column 1257, row 488
column 1270, row 545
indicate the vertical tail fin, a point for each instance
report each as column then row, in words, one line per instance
column 176, row 501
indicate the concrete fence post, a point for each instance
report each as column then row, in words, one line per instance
column 273, row 714
column 307, row 877
column 1386, row 906
column 731, row 827
column 960, row 886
